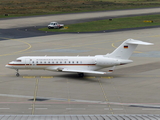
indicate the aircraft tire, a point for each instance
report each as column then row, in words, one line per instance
column 17, row 74
column 81, row 75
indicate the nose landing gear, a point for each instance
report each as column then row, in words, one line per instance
column 17, row 74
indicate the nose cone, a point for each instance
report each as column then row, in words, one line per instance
column 8, row 66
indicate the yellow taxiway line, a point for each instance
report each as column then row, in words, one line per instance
column 17, row 52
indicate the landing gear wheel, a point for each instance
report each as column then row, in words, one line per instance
column 81, row 75
column 17, row 74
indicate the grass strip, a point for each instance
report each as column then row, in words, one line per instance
column 114, row 24
column 16, row 8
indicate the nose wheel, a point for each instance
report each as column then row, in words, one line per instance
column 17, row 74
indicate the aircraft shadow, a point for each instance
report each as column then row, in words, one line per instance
column 143, row 106
column 138, row 68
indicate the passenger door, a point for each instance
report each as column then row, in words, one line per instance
column 28, row 63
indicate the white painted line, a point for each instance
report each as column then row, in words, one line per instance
column 39, row 108
column 106, row 108
column 117, row 108
column 149, row 109
column 75, row 108
column 4, row 108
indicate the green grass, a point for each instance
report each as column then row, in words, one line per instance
column 41, row 7
column 117, row 23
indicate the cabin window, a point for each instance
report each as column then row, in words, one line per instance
column 72, row 61
column 69, row 62
column 33, row 62
column 41, row 62
column 52, row 62
column 60, row 62
column 65, row 62
column 37, row 62
column 44, row 62
column 57, row 62
column 77, row 61
column 48, row 62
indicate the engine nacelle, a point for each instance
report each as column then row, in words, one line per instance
column 105, row 61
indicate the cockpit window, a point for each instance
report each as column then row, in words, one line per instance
column 18, row 61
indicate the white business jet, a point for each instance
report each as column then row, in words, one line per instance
column 79, row 64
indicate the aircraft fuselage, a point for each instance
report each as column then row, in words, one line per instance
column 79, row 64
column 47, row 62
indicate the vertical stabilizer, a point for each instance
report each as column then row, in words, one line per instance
column 125, row 50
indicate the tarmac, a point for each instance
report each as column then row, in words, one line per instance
column 130, row 89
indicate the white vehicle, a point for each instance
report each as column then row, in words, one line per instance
column 55, row 25
column 79, row 64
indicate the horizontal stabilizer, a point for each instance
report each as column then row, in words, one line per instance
column 138, row 42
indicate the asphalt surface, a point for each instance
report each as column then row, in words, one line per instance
column 43, row 20
column 131, row 89
column 23, row 27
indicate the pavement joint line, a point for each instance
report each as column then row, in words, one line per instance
column 39, row 108
column 35, row 94
column 17, row 52
column 69, row 100
column 114, row 109
column 117, row 108
column 75, row 108
column 104, row 94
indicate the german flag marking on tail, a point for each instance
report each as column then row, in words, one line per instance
column 125, row 46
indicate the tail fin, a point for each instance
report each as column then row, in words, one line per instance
column 125, row 50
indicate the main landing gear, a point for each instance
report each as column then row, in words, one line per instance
column 17, row 74
column 81, row 75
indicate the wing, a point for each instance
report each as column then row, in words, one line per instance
column 85, row 71
column 82, row 71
